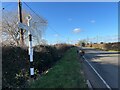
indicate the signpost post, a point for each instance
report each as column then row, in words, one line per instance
column 22, row 26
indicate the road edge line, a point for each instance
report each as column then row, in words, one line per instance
column 89, row 85
column 97, row 74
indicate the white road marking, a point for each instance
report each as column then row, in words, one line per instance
column 98, row 74
column 89, row 85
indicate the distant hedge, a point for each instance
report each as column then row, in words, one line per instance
column 106, row 46
column 15, row 62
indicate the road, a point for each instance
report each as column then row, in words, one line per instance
column 106, row 65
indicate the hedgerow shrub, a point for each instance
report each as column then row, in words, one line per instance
column 15, row 65
column 15, row 62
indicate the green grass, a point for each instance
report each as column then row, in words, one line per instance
column 65, row 74
column 107, row 50
column 113, row 51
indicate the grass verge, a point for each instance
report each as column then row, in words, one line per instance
column 114, row 51
column 66, row 73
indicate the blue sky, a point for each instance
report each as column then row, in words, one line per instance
column 78, row 20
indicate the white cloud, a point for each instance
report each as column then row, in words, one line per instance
column 56, row 35
column 77, row 30
column 92, row 21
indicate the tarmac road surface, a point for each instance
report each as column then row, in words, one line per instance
column 106, row 65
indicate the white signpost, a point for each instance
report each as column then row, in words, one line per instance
column 25, row 27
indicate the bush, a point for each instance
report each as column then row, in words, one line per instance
column 15, row 65
column 15, row 62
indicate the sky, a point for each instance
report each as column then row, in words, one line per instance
column 73, row 21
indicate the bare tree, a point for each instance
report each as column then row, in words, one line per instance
column 38, row 25
column 10, row 31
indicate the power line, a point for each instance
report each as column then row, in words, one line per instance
column 43, row 20
column 56, row 32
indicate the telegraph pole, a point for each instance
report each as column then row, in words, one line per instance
column 20, row 20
